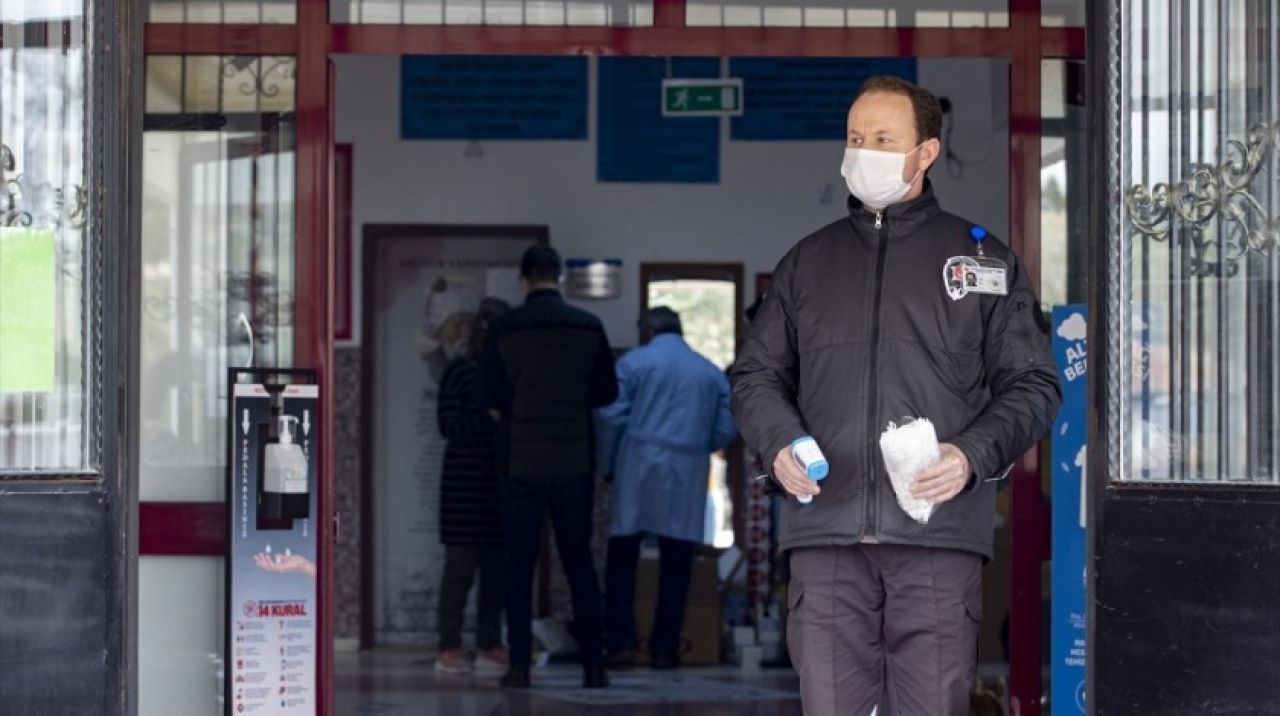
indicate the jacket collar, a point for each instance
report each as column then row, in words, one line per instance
column 672, row 338
column 543, row 294
column 904, row 217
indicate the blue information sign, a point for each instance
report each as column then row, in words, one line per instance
column 462, row 97
column 1069, row 501
column 636, row 143
column 804, row 98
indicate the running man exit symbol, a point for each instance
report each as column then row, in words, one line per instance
column 682, row 99
column 701, row 98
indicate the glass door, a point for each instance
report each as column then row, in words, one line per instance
column 1186, row 381
column 218, row 291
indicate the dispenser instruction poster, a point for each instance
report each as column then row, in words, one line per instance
column 1069, row 504
column 271, row 586
column 427, row 294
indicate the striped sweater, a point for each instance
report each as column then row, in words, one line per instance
column 469, row 486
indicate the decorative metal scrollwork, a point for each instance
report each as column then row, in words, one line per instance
column 263, row 80
column 66, row 208
column 10, row 191
column 1212, row 194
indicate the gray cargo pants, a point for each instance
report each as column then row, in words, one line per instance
column 884, row 624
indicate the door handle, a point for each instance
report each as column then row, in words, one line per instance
column 243, row 320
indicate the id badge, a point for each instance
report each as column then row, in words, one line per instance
column 963, row 275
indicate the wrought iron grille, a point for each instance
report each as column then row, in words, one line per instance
column 1195, row 337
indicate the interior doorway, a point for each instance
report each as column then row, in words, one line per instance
column 708, row 298
column 423, row 285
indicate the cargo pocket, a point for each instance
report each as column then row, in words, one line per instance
column 973, row 601
column 795, row 593
column 795, row 624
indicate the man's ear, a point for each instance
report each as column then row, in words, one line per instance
column 929, row 153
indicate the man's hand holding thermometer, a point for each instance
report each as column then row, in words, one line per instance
column 798, row 468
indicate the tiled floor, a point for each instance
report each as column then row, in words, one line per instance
column 402, row 683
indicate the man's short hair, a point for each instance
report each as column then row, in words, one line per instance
column 541, row 264
column 661, row 320
column 927, row 109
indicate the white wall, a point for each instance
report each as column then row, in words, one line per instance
column 770, row 194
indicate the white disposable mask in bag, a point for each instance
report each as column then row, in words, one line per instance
column 908, row 450
column 875, row 177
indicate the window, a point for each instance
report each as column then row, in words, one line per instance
column 48, row 326
column 599, row 13
column 848, row 13
column 1063, row 213
column 224, row 11
column 218, row 229
column 1194, row 347
column 1062, row 13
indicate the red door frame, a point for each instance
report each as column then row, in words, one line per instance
column 198, row 528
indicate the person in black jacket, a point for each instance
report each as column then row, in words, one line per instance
column 548, row 366
column 866, row 323
column 469, row 525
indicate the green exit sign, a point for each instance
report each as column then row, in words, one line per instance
column 701, row 98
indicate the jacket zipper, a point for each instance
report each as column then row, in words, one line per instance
column 873, row 398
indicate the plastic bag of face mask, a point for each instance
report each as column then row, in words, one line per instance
column 908, row 450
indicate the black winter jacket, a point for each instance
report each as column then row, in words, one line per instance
column 547, row 367
column 858, row 330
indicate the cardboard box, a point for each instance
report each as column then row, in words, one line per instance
column 700, row 636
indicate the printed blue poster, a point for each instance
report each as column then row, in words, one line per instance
column 803, row 99
column 464, row 97
column 636, row 143
column 1067, row 648
column 272, row 566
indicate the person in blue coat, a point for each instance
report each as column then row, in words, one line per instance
column 656, row 441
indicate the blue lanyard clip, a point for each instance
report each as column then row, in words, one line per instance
column 979, row 235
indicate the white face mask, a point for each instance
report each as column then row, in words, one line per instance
column 875, row 177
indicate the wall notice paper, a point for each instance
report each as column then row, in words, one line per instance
column 489, row 97
column 1067, row 643
column 908, row 450
column 635, row 143
column 28, row 318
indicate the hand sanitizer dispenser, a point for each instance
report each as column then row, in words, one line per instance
column 285, row 493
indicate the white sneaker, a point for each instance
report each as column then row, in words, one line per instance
column 452, row 662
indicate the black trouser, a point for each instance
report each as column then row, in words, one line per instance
column 884, row 624
column 524, row 506
column 461, row 563
column 620, row 594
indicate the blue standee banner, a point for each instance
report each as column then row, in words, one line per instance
column 636, row 143
column 484, row 97
column 1067, row 685
column 803, row 99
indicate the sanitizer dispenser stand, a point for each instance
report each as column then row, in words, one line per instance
column 273, row 556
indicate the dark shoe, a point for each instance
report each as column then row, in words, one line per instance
column 517, row 677
column 621, row 659
column 595, row 677
column 665, row 662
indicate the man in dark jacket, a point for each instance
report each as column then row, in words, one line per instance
column 865, row 324
column 548, row 366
